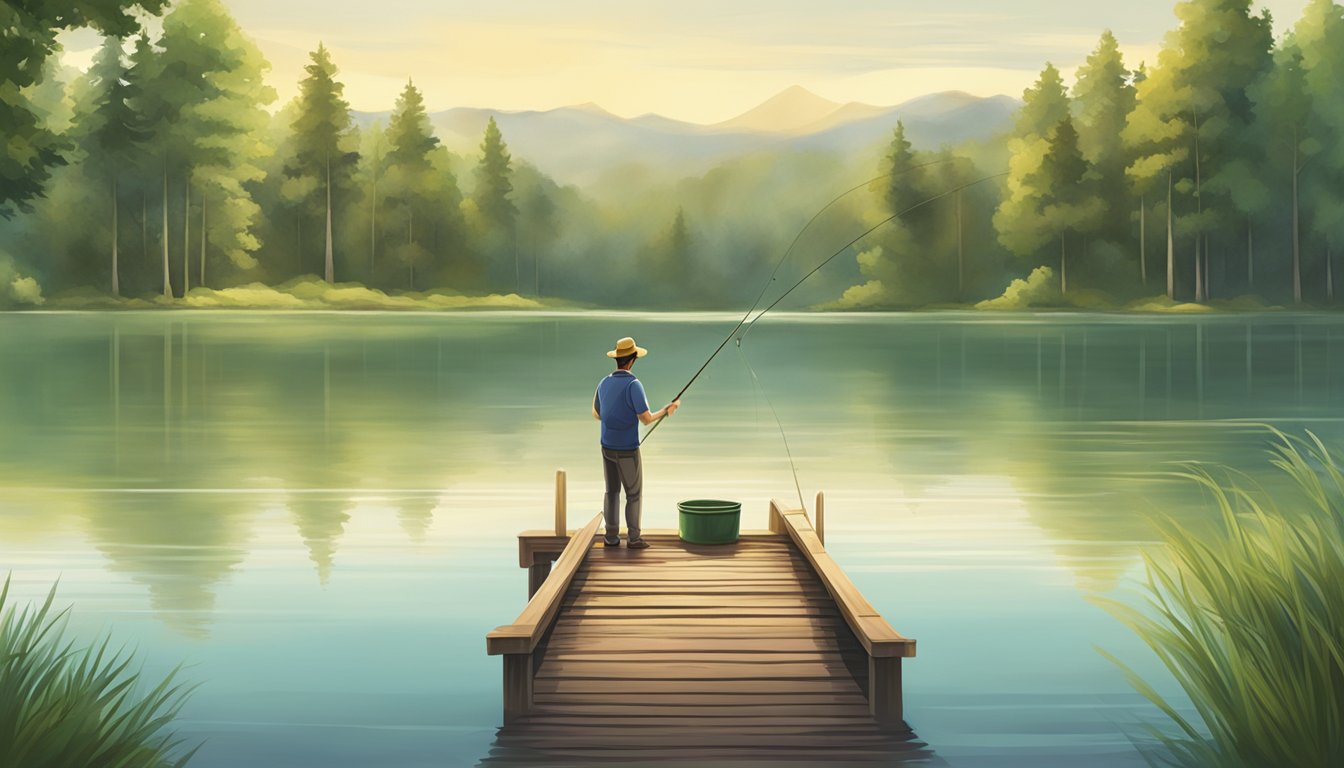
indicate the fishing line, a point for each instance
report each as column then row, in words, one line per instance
column 760, row 389
column 742, row 353
column 780, row 263
column 867, row 232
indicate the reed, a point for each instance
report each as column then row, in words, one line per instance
column 62, row 705
column 1248, row 616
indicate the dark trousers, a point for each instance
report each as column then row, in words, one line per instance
column 622, row 469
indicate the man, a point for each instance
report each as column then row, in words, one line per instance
column 621, row 406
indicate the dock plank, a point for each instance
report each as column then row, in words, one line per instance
column 708, row 655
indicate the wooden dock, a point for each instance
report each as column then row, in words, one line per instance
column 759, row 651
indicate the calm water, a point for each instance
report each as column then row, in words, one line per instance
column 316, row 512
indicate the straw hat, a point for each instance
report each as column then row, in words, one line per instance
column 626, row 347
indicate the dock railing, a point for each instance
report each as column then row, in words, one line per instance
column 517, row 642
column 884, row 645
column 553, row 557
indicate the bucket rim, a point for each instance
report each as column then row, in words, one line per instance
column 708, row 506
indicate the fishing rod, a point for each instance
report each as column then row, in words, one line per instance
column 780, row 263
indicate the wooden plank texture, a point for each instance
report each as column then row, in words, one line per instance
column 749, row 653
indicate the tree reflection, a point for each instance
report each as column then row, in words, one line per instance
column 180, row 546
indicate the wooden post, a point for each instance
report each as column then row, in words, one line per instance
column 537, row 573
column 776, row 520
column 517, row 685
column 884, row 690
column 561, row 525
column 820, row 523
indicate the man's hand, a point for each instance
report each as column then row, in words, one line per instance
column 672, row 407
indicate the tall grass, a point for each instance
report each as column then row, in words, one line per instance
column 62, row 706
column 1248, row 616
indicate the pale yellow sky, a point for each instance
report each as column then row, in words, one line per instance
column 697, row 60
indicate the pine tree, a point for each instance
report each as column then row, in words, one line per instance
column 220, row 130
column 1021, row 220
column 494, row 186
column 1193, row 114
column 1320, row 34
column 109, row 131
column 905, row 182
column 1282, row 109
column 1103, row 99
column 674, row 254
column 910, row 250
column 323, row 138
column 409, row 175
column 31, row 148
column 1070, row 205
column 493, row 179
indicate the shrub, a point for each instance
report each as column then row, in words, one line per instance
column 62, row 706
column 1249, row 619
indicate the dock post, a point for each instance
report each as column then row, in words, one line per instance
column 820, row 523
column 517, row 685
column 536, row 575
column 561, row 525
column 884, row 689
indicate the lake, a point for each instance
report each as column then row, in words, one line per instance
column 315, row 513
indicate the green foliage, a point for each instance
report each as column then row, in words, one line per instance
column 107, row 127
column 421, row 228
column 1051, row 190
column 1193, row 116
column 1020, row 220
column 493, row 202
column 922, row 256
column 672, row 254
column 181, row 179
column 323, row 146
column 203, row 97
column 1248, row 616
column 222, row 122
column 62, row 705
column 17, row 290
column 1103, row 97
column 493, row 183
column 1320, row 35
column 1038, row 289
column 31, row 148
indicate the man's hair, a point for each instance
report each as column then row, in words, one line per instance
column 624, row 362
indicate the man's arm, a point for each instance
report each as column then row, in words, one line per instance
column 648, row 417
column 596, row 415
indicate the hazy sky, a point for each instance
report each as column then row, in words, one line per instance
column 697, row 60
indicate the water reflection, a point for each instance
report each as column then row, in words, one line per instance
column 232, row 468
column 211, row 411
column 178, row 546
column 416, row 514
column 522, row 746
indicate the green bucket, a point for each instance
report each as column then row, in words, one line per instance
column 708, row 521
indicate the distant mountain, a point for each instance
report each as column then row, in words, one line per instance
column 930, row 122
column 581, row 144
column 793, row 109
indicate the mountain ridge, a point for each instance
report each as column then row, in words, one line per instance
column 579, row 144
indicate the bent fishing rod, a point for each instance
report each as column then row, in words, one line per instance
column 784, row 258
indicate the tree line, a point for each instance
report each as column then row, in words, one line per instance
column 169, row 173
column 1216, row 172
column 176, row 175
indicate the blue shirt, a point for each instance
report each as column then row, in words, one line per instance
column 619, row 400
